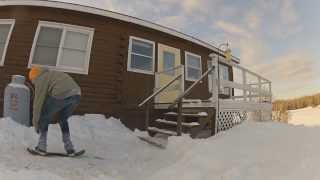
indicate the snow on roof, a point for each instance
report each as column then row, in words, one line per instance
column 115, row 15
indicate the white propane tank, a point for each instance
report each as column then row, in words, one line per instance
column 17, row 101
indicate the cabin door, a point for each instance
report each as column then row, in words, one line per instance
column 168, row 59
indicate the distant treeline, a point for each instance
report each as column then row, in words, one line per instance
column 298, row 103
column 280, row 107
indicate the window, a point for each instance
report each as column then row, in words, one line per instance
column 62, row 47
column 224, row 75
column 141, row 55
column 193, row 67
column 168, row 62
column 6, row 27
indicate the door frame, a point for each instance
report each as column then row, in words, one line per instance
column 160, row 49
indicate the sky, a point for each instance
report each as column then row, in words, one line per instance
column 275, row 38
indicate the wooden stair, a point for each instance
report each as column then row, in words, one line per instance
column 184, row 124
column 162, row 131
column 194, row 120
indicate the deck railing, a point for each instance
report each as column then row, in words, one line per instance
column 255, row 95
column 250, row 90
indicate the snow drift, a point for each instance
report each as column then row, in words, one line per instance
column 309, row 116
column 247, row 152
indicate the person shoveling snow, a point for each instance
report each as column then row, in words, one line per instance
column 55, row 93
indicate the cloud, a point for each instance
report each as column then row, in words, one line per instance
column 295, row 65
column 294, row 70
column 288, row 22
column 253, row 20
column 176, row 22
column 191, row 5
column 232, row 29
column 288, row 12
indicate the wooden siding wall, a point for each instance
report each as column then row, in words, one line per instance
column 108, row 89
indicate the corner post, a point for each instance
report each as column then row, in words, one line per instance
column 244, row 82
column 215, row 94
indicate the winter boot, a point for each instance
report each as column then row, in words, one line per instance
column 42, row 144
column 68, row 146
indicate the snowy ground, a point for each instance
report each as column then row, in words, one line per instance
column 308, row 116
column 251, row 151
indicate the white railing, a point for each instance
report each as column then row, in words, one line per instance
column 256, row 96
column 250, row 91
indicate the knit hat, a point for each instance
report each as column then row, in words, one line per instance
column 34, row 72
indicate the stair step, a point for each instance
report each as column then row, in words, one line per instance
column 202, row 114
column 185, row 124
column 162, row 131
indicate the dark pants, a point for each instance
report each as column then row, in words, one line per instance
column 65, row 108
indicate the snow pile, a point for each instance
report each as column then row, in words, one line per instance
column 247, row 152
column 113, row 151
column 307, row 116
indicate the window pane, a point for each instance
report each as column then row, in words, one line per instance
column 141, row 63
column 1, row 50
column 224, row 90
column 45, row 56
column 75, row 40
column 47, row 48
column 224, row 72
column 49, row 37
column 193, row 61
column 168, row 62
column 142, row 48
column 73, row 58
column 193, row 73
column 4, row 31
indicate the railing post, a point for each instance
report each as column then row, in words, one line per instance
column 270, row 92
column 250, row 93
column 215, row 95
column 244, row 82
column 260, row 97
column 179, row 127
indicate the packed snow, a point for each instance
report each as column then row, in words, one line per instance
column 249, row 151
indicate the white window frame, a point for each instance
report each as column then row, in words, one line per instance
column 224, row 90
column 64, row 27
column 12, row 23
column 129, row 68
column 186, row 65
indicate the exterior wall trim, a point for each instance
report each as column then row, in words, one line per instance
column 106, row 13
column 73, row 28
column 12, row 23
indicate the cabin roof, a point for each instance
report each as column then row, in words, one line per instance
column 110, row 14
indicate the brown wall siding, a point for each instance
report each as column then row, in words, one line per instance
column 102, row 86
column 108, row 89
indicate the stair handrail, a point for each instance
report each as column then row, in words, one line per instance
column 159, row 90
column 187, row 92
column 169, row 69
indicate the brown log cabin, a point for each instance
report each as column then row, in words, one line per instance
column 118, row 61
